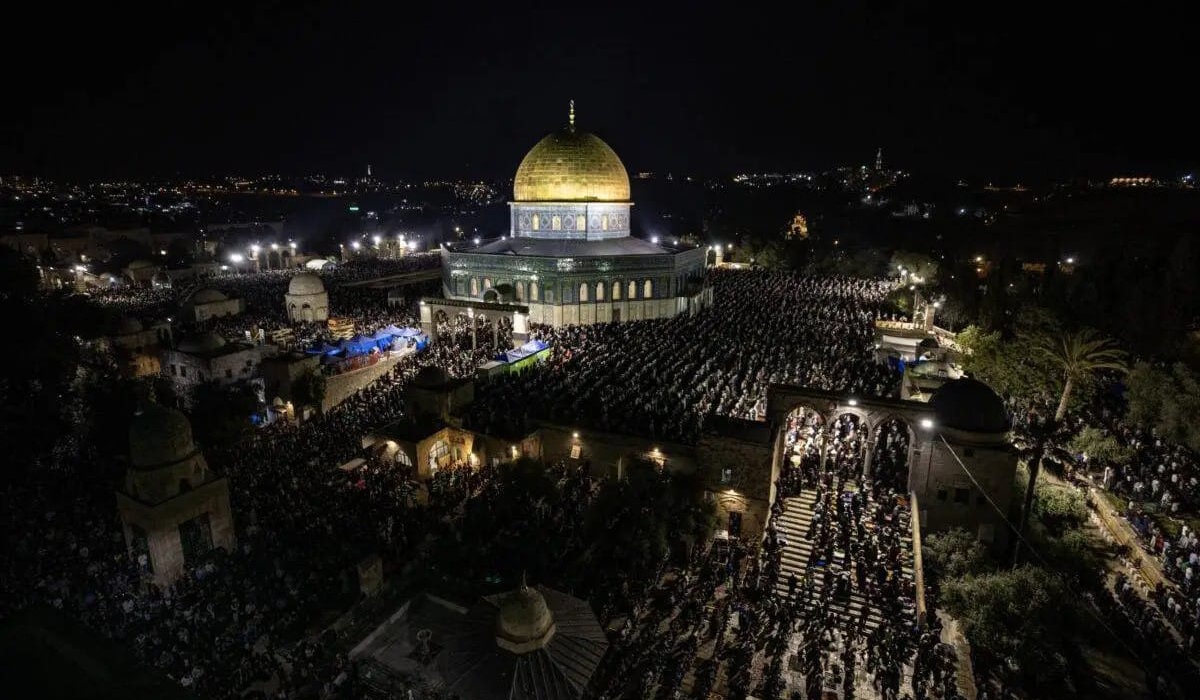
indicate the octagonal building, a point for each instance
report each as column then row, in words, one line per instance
column 568, row 257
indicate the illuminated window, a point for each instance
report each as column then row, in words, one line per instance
column 520, row 291
column 533, row 291
column 487, row 283
column 474, row 287
column 556, row 223
column 632, row 289
column 580, row 223
column 599, row 291
column 647, row 290
column 537, row 222
column 616, row 293
column 583, row 291
column 726, row 476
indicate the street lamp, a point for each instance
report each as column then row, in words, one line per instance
column 274, row 246
column 355, row 245
column 927, row 423
column 236, row 258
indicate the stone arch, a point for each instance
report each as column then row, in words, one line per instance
column 600, row 291
column 632, row 289
column 891, row 453
column 583, row 292
column 616, row 291
column 533, row 291
column 648, row 289
column 474, row 286
column 487, row 283
column 519, row 290
column 491, row 296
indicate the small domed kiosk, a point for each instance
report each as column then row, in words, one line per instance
column 174, row 509
column 532, row 643
column 306, row 300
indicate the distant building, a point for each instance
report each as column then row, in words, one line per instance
column 209, row 357
column 306, row 299
column 174, row 509
column 206, row 304
column 569, row 257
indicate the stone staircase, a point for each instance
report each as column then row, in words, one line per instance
column 793, row 525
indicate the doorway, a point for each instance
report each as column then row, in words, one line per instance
column 735, row 525
column 616, row 315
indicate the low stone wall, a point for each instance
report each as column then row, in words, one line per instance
column 340, row 387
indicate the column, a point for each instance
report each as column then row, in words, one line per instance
column 869, row 453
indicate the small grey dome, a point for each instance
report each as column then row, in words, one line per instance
column 306, row 283
column 969, row 404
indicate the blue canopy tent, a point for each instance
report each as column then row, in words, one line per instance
column 362, row 344
column 530, row 348
column 391, row 329
column 383, row 339
column 409, row 332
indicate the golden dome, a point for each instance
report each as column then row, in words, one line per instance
column 571, row 166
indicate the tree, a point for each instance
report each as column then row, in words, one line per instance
column 1167, row 400
column 1024, row 616
column 1079, row 355
column 917, row 267
column 1098, row 447
column 954, row 553
column 309, row 389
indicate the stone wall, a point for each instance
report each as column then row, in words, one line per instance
column 740, row 474
column 340, row 387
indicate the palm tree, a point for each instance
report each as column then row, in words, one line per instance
column 1079, row 355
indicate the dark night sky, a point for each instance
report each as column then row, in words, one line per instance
column 302, row 86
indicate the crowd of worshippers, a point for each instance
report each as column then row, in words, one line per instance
column 661, row 378
column 721, row 617
column 262, row 294
column 302, row 525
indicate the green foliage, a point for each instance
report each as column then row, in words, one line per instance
column 221, row 414
column 1060, row 508
column 954, row 553
column 1073, row 554
column 1167, row 400
column 309, row 389
column 917, row 265
column 1100, row 447
column 1025, row 615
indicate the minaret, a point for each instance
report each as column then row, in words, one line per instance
column 879, row 160
column 368, row 170
column 571, row 117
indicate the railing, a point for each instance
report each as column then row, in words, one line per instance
column 918, row 567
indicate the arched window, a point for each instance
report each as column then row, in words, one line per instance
column 520, row 291
column 556, row 222
column 604, row 222
column 533, row 291
column 616, row 294
column 583, row 291
column 550, row 295
column 599, row 291
column 537, row 222
column 474, row 287
column 580, row 223
column 402, row 458
column 632, row 289
column 647, row 290
column 487, row 283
